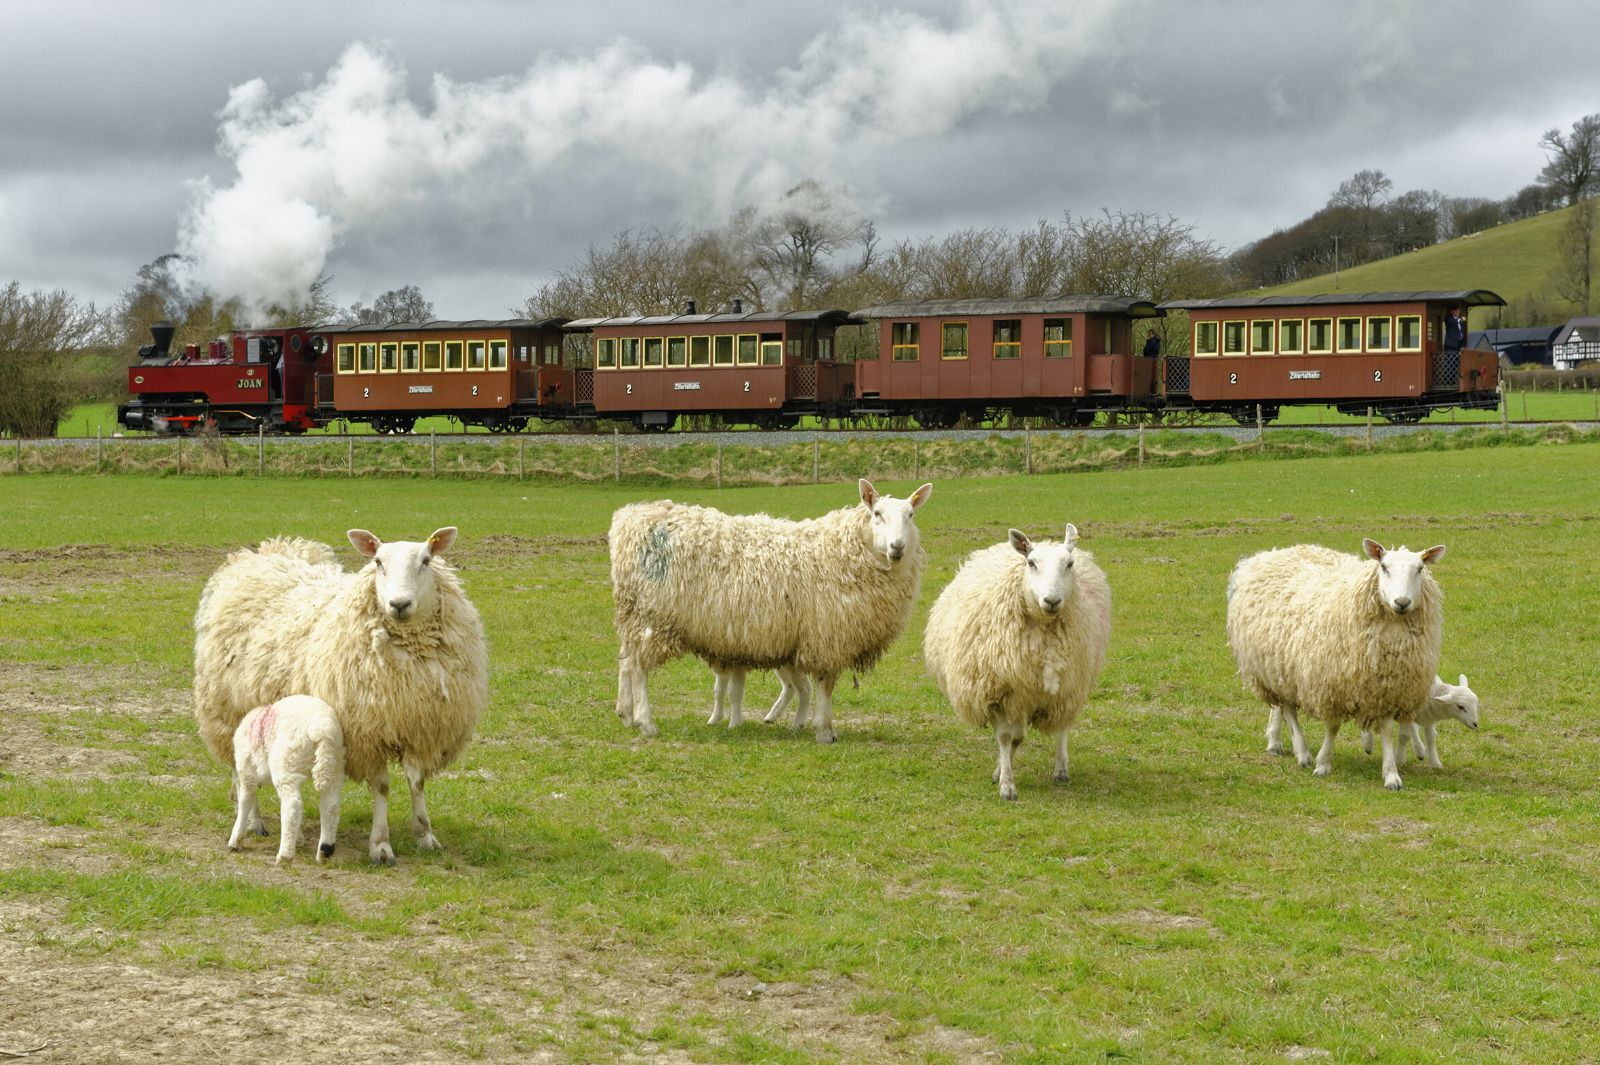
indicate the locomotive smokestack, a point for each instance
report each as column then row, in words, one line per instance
column 688, row 308
column 161, row 334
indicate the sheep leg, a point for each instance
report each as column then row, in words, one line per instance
column 245, row 799
column 378, row 848
column 1008, row 738
column 1325, row 753
column 1391, row 773
column 719, row 693
column 1275, row 731
column 255, row 826
column 1430, row 742
column 1366, row 741
column 328, row 806
column 803, row 689
column 824, row 698
column 641, row 701
column 736, row 698
column 625, row 688
column 794, row 683
column 1302, row 750
column 291, row 815
column 1061, row 757
column 420, row 825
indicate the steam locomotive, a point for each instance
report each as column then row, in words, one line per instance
column 1064, row 359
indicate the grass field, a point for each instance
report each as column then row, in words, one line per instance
column 748, row 895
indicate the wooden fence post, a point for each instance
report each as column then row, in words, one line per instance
column 616, row 453
column 816, row 460
column 97, row 446
column 351, row 458
column 719, row 463
column 1369, row 425
column 433, row 447
column 1260, row 429
column 1027, row 450
column 1141, row 443
column 522, row 466
column 261, row 449
column 916, row 460
column 180, row 454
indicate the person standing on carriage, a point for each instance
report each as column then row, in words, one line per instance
column 1455, row 329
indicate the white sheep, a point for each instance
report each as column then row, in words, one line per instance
column 1341, row 637
column 285, row 744
column 396, row 648
column 1445, row 701
column 727, row 696
column 1018, row 639
column 756, row 592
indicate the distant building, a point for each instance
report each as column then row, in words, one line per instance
column 1578, row 342
column 1518, row 347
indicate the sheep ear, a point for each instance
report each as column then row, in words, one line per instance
column 1072, row 536
column 364, row 542
column 1020, row 542
column 1433, row 554
column 869, row 494
column 1373, row 549
column 441, row 540
column 1463, row 680
column 920, row 496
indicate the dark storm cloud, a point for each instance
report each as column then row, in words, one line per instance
column 1238, row 117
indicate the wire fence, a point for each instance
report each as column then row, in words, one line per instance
column 735, row 459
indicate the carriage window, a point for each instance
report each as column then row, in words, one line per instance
column 1319, row 336
column 475, row 355
column 1349, row 334
column 1378, row 333
column 652, row 353
column 347, row 358
column 824, row 348
column 1408, row 332
column 797, row 349
column 1205, row 338
column 1291, row 334
column 552, row 353
column 772, row 349
column 367, row 357
column 722, row 350
column 454, row 354
column 605, row 353
column 1057, row 338
column 497, row 354
column 1008, row 338
column 1262, row 341
column 431, row 358
column 1233, row 338
column 628, row 358
column 677, row 351
column 699, row 351
column 903, row 337
column 954, row 345
column 749, row 352
column 389, row 357
column 410, row 356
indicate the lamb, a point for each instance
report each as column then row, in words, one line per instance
column 396, row 648
column 755, row 592
column 1342, row 637
column 286, row 743
column 1445, row 701
column 1018, row 638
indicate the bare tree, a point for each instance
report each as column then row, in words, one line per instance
column 404, row 304
column 1366, row 190
column 792, row 246
column 1573, row 276
column 1573, row 169
column 37, row 329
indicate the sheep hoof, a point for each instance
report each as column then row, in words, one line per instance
column 647, row 729
column 259, row 829
column 1061, row 776
column 1393, row 784
column 1009, row 794
column 324, row 851
column 1321, row 770
column 232, row 846
column 825, row 737
column 285, row 860
column 1276, row 748
column 1304, row 762
column 428, row 842
column 1436, row 764
column 382, row 854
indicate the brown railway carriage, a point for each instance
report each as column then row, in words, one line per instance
column 1351, row 351
column 1062, row 357
column 492, row 373
column 762, row 368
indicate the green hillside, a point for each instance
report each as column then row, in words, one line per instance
column 1514, row 260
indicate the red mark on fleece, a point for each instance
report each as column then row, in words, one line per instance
column 262, row 723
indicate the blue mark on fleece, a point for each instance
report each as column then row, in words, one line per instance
column 655, row 558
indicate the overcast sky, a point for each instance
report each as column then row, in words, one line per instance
column 475, row 147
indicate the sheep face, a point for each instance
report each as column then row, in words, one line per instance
column 1400, row 573
column 1460, row 700
column 1048, row 578
column 894, row 529
column 404, row 585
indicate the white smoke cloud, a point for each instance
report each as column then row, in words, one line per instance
column 355, row 150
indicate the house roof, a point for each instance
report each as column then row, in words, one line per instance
column 1580, row 330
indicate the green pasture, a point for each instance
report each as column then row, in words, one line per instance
column 1185, row 898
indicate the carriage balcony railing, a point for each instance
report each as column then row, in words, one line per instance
column 583, row 387
column 1177, row 375
column 802, row 380
column 1446, row 370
